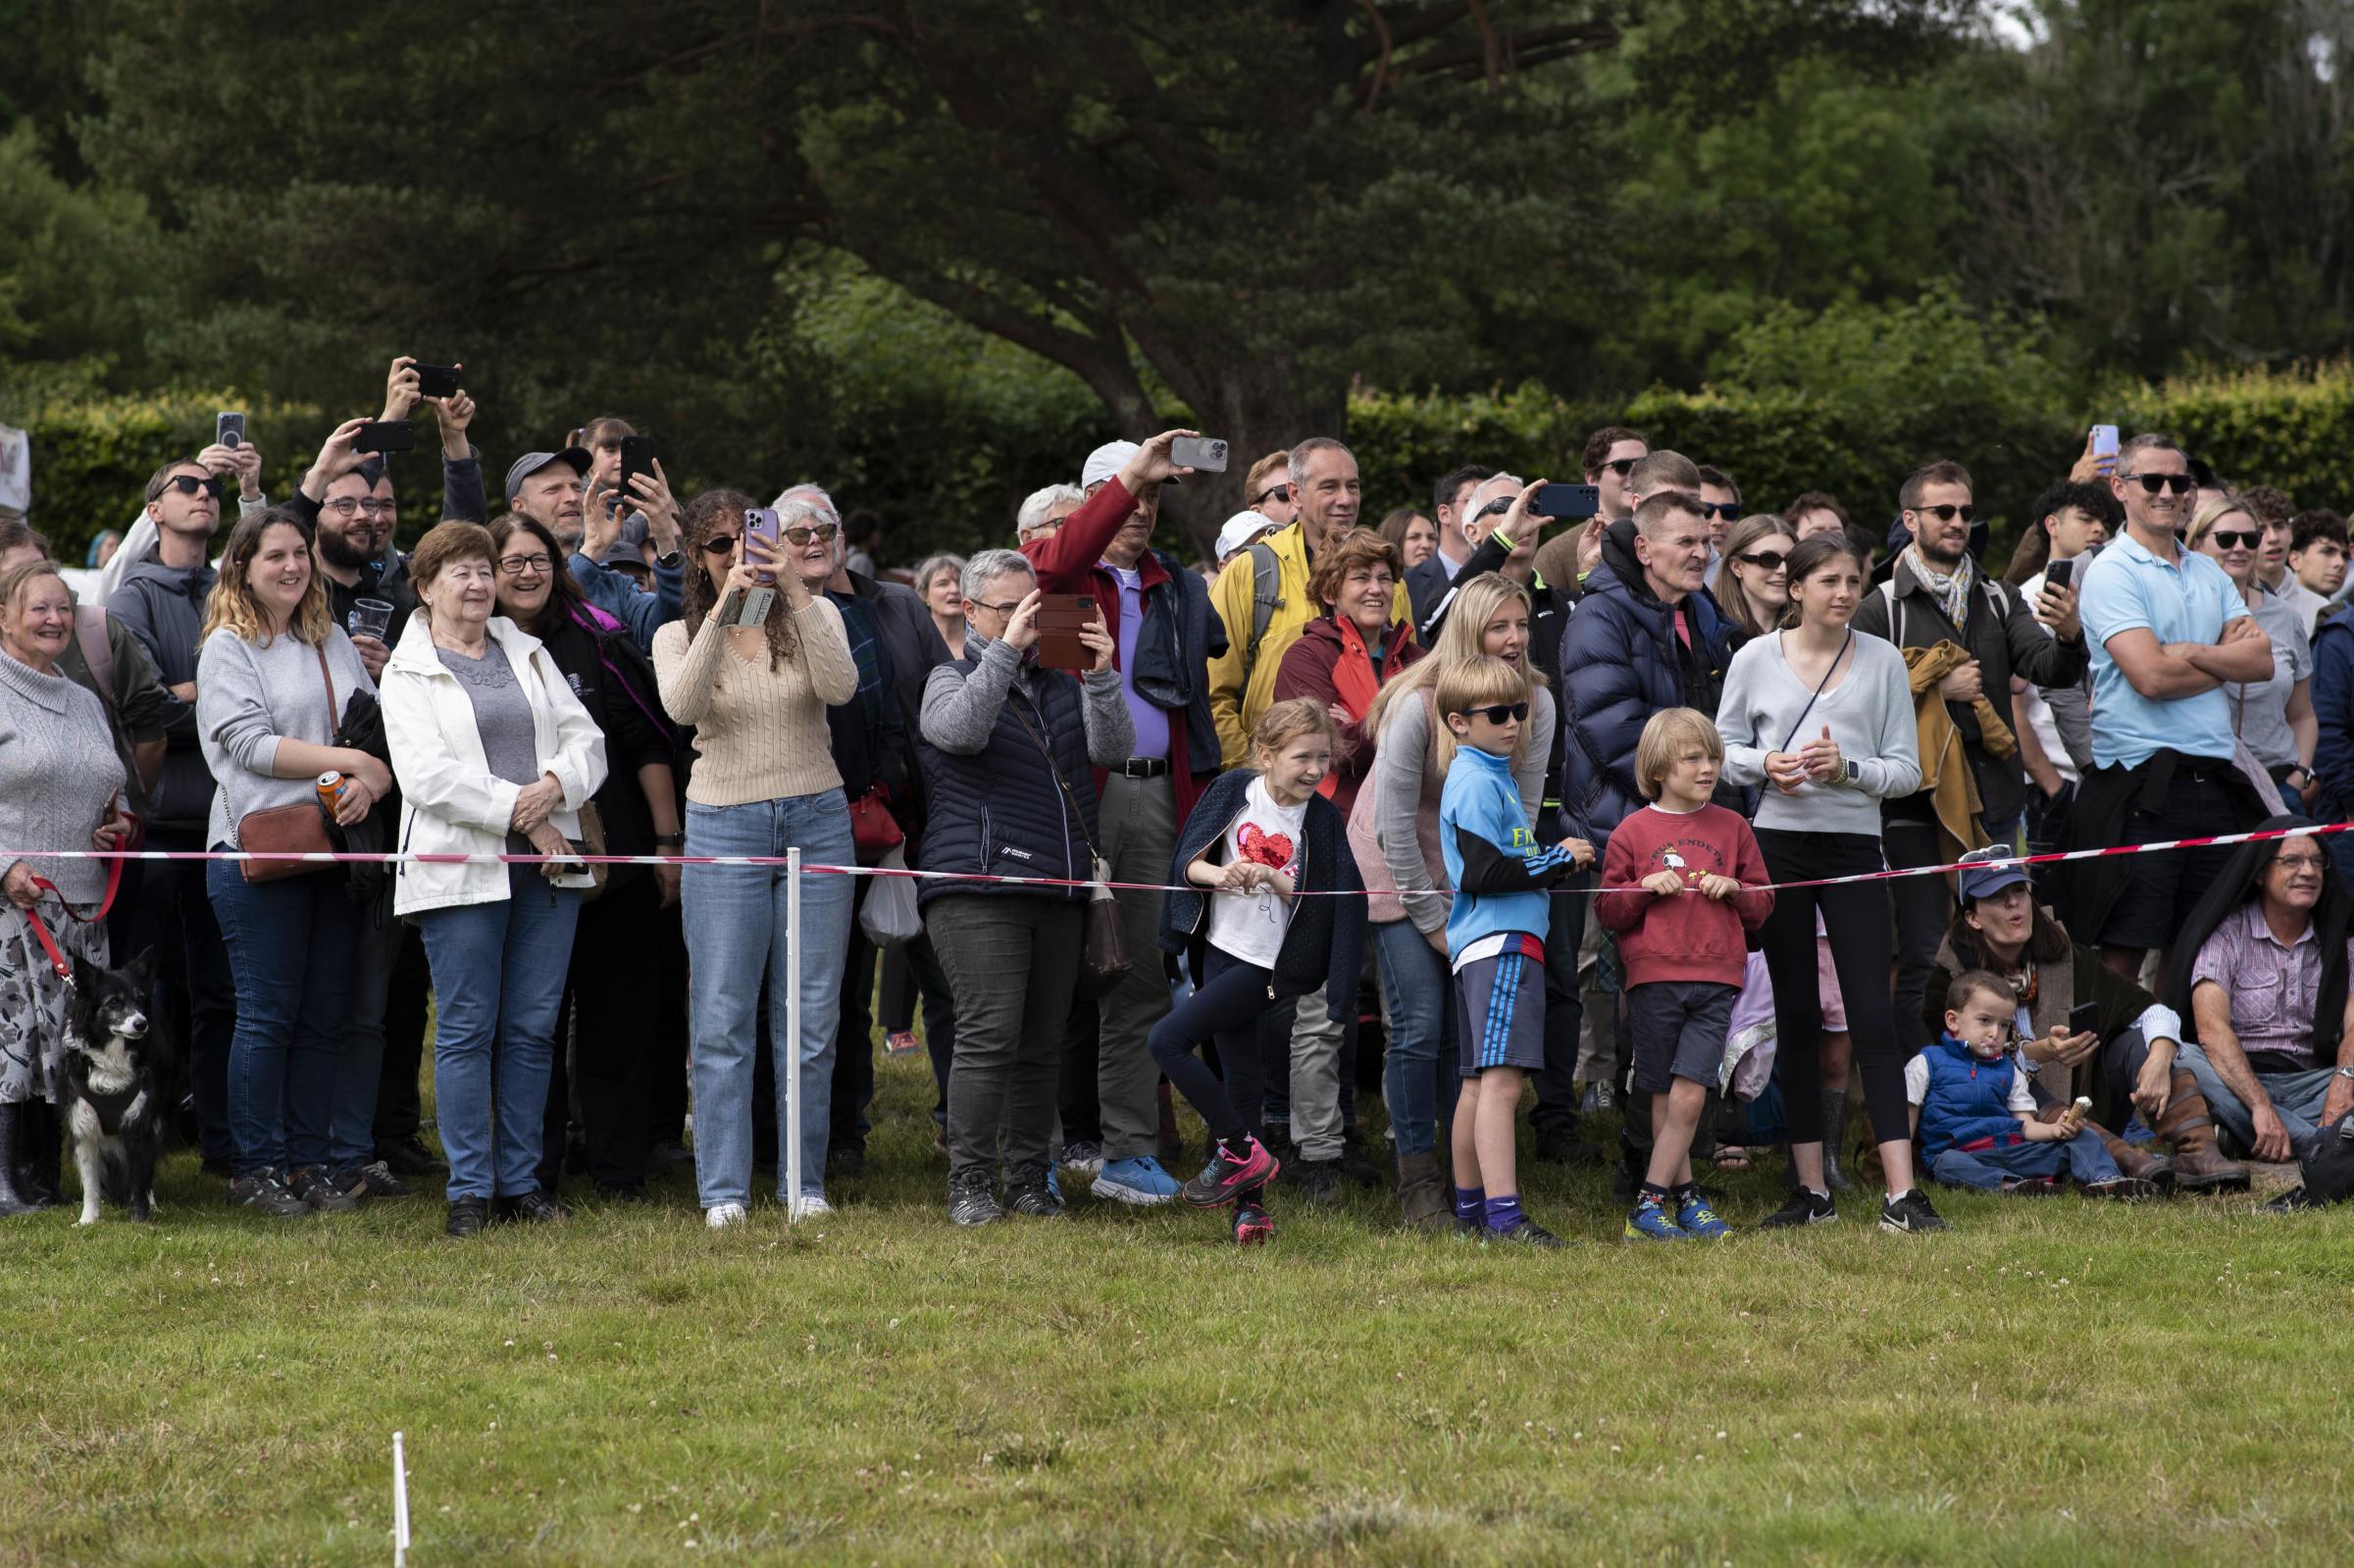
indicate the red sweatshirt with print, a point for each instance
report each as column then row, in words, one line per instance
column 1688, row 936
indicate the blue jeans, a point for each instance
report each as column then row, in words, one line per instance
column 1418, row 1077
column 498, row 977
column 289, row 951
column 1984, row 1170
column 376, row 944
column 735, row 931
column 2296, row 1098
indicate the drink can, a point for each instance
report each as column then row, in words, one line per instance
column 332, row 788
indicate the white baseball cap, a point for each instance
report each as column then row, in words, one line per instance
column 1106, row 460
column 1240, row 529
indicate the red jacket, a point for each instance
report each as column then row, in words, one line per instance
column 1070, row 561
column 1686, row 937
column 1307, row 672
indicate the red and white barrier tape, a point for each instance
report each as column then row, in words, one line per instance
column 778, row 862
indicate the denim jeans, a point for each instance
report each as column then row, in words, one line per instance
column 1984, row 1170
column 2296, row 1097
column 359, row 1069
column 499, row 979
column 1418, row 1078
column 290, row 950
column 735, row 931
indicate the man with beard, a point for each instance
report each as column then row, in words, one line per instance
column 1936, row 595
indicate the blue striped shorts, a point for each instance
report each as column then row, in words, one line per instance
column 1502, row 1009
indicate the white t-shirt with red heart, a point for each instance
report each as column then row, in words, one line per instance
column 1250, row 926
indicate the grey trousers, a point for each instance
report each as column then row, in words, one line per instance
column 1139, row 837
column 1317, row 1067
column 1012, row 963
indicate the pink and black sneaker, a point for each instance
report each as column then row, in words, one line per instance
column 1252, row 1223
column 1231, row 1173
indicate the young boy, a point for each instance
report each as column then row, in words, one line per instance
column 1495, row 936
column 1975, row 1115
column 1683, row 940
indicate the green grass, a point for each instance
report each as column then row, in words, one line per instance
column 2055, row 1382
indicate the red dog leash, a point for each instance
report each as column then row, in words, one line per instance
column 57, row 957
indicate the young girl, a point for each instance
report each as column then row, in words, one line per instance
column 1257, row 842
column 1495, row 936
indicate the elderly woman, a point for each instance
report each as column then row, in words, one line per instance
column 940, row 581
column 274, row 677
column 495, row 754
column 2273, row 717
column 1007, row 748
column 60, row 783
column 764, row 783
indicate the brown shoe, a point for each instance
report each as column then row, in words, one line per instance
column 1422, row 1195
column 2138, row 1164
column 2199, row 1166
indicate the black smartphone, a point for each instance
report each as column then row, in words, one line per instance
column 2056, row 575
column 1568, row 500
column 436, row 380
column 385, row 435
column 2084, row 1018
column 229, row 429
column 637, row 457
column 1200, row 453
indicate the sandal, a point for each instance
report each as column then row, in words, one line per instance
column 1731, row 1157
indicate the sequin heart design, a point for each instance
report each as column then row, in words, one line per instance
column 1265, row 848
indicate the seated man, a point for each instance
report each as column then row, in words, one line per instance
column 2274, row 1054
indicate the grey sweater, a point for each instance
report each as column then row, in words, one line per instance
column 1410, row 793
column 248, row 697
column 960, row 710
column 58, row 771
column 1871, row 716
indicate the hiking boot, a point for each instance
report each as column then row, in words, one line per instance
column 1252, row 1223
column 1422, row 1193
column 1357, row 1167
column 1139, row 1181
column 466, row 1216
column 2199, row 1166
column 1033, row 1199
column 1803, row 1208
column 1083, row 1156
column 534, row 1207
column 973, row 1199
column 1698, row 1218
column 408, row 1156
column 373, row 1180
column 2124, row 1189
column 1317, row 1180
column 312, row 1184
column 1651, row 1219
column 1528, row 1233
column 1912, row 1212
column 264, row 1193
column 1232, row 1171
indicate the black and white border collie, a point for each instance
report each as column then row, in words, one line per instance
column 116, row 1067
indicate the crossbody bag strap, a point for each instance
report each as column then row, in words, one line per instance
column 1830, row 671
column 1055, row 768
column 335, row 715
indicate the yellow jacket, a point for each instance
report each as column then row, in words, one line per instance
column 1237, row 710
column 1945, row 772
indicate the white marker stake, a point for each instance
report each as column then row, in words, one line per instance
column 400, row 1506
column 792, row 1043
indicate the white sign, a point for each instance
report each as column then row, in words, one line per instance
column 16, row 470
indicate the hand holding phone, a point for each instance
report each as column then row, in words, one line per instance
column 438, row 380
column 1061, row 618
column 1576, row 501
column 229, row 429
column 2058, row 573
column 1202, row 454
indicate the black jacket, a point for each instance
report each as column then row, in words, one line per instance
column 1324, row 947
column 616, row 684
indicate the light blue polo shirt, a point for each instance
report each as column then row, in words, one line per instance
column 2188, row 601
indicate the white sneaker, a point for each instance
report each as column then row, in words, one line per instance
column 722, row 1215
column 810, row 1209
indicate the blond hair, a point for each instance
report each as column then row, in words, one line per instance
column 1480, row 682
column 1286, row 721
column 232, row 603
column 2214, row 509
column 1667, row 734
column 1462, row 639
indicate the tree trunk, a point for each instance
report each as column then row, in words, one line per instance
column 1254, row 408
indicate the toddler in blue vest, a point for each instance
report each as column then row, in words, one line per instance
column 1974, row 1113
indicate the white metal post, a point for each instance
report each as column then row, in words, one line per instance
column 791, row 1046
column 400, row 1504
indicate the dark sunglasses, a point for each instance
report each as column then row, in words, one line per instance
column 1281, row 492
column 822, row 532
column 1945, row 512
column 2152, row 484
column 1496, row 508
column 1727, row 510
column 2235, row 539
column 189, row 485
column 721, row 544
column 1500, row 713
column 1622, row 467
column 1770, row 559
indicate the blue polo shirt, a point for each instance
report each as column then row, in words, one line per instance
column 2185, row 601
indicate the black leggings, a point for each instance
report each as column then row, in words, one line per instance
column 1224, row 1008
column 1857, row 919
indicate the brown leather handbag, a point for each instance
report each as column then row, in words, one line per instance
column 298, row 829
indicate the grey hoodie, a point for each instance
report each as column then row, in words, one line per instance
column 164, row 608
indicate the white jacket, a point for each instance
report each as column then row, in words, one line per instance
column 451, row 803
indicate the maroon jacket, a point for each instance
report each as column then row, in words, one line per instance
column 1307, row 672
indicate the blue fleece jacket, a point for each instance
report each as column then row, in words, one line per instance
column 1502, row 875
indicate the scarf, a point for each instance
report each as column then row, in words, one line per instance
column 1355, row 683
column 1953, row 592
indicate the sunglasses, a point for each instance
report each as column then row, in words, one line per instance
column 2152, row 484
column 1622, row 467
column 1945, row 512
column 1280, row 492
column 1500, row 713
column 822, row 532
column 1730, row 511
column 2235, row 539
column 1770, row 559
column 189, row 485
column 721, row 544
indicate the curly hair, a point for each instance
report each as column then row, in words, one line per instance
column 705, row 515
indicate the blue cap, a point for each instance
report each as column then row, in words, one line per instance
column 1985, row 880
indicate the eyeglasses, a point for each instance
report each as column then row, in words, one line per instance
column 721, row 544
column 1622, row 467
column 983, row 604
column 2235, row 538
column 822, row 532
column 1770, row 559
column 2152, row 484
column 2298, row 862
column 1500, row 713
column 1727, row 510
column 189, row 485
column 1946, row 511
column 1280, row 492
column 346, row 505
column 516, row 565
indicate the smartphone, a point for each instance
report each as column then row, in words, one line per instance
column 637, row 457
column 1199, row 453
column 2104, row 440
column 436, row 380
column 1060, row 619
column 1568, row 500
column 229, row 429
column 2084, row 1018
column 2058, row 573
column 385, row 435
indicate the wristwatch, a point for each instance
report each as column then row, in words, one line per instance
column 2345, row 1072
column 670, row 840
column 1854, row 773
column 669, row 560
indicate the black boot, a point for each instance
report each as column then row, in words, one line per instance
column 12, row 1122
column 1834, row 1135
column 41, row 1150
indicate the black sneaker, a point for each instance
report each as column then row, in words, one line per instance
column 848, row 1161
column 1033, row 1198
column 534, row 1207
column 1316, row 1181
column 667, row 1152
column 264, row 1193
column 1528, row 1233
column 1803, row 1208
column 312, row 1184
column 373, row 1180
column 973, row 1199
column 1912, row 1212
column 2290, row 1202
column 408, row 1156
column 1355, row 1169
column 466, row 1216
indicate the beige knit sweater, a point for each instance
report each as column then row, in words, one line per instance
column 759, row 734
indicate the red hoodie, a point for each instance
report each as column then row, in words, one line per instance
column 1686, row 937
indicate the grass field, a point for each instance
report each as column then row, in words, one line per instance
column 2054, row 1382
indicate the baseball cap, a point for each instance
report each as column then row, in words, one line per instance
column 531, row 463
column 1240, row 529
column 1106, row 460
column 1984, row 881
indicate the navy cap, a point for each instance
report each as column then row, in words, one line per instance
column 1985, row 880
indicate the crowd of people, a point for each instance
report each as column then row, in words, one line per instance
column 1470, row 805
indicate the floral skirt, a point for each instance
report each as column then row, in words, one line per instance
column 32, row 998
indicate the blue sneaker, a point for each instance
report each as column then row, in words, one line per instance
column 1650, row 1221
column 1139, row 1181
column 1696, row 1219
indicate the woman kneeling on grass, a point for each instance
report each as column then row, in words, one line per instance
column 1259, row 842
